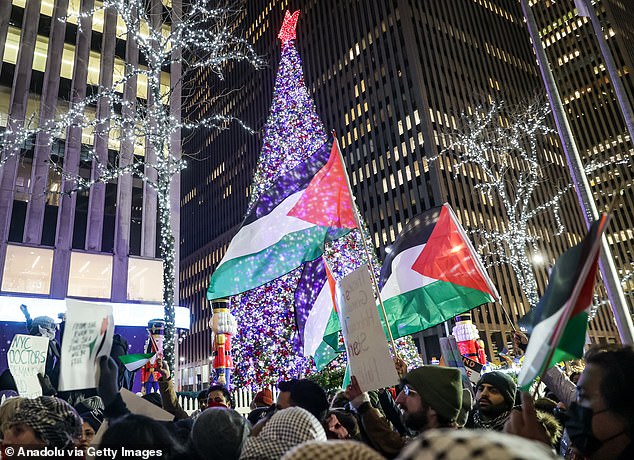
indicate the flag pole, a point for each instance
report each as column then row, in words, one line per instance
column 365, row 247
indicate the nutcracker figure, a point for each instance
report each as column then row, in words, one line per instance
column 468, row 339
column 223, row 326
column 154, row 344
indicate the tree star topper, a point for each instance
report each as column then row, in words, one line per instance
column 287, row 32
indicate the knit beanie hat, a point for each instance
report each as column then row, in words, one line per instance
column 503, row 383
column 220, row 432
column 53, row 419
column 440, row 387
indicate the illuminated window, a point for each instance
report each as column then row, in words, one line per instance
column 145, row 280
column 90, row 275
column 27, row 270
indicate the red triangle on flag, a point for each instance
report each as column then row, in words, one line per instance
column 448, row 257
column 326, row 201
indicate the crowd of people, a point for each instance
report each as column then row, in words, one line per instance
column 428, row 415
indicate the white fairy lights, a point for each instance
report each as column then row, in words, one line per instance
column 502, row 143
column 198, row 36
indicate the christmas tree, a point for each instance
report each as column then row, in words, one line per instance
column 265, row 347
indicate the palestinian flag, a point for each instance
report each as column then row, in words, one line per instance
column 432, row 274
column 315, row 308
column 136, row 361
column 557, row 325
column 288, row 225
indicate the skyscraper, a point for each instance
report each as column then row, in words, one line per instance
column 98, row 244
column 593, row 112
column 389, row 77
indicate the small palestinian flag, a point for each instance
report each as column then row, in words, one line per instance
column 136, row 361
column 432, row 274
column 557, row 325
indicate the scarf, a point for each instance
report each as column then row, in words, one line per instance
column 495, row 423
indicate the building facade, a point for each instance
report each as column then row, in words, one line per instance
column 593, row 112
column 389, row 77
column 100, row 243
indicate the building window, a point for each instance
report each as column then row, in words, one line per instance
column 90, row 275
column 145, row 279
column 27, row 270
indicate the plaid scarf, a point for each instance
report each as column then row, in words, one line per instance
column 286, row 429
column 495, row 423
column 53, row 419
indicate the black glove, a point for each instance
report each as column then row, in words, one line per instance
column 108, row 386
column 47, row 387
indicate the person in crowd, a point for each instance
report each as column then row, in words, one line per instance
column 303, row 393
column 332, row 450
column 285, row 429
column 600, row 422
column 340, row 424
column 220, row 433
column 45, row 421
column 137, row 432
column 339, row 400
column 431, row 397
column 154, row 398
column 44, row 326
column 218, row 395
column 120, row 348
column 495, row 398
column 92, row 421
column 474, row 445
column 7, row 411
column 260, row 405
column 201, row 397
column 169, row 400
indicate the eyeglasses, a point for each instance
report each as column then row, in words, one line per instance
column 409, row 391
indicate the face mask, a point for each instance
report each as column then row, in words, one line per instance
column 579, row 427
column 46, row 332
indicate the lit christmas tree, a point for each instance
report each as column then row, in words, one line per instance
column 265, row 347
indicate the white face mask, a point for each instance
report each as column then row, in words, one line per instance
column 47, row 332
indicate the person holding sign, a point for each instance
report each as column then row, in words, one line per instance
column 431, row 397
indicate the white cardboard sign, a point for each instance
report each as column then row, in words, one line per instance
column 366, row 345
column 87, row 336
column 27, row 358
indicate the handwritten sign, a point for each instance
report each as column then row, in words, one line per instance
column 87, row 336
column 27, row 358
column 363, row 334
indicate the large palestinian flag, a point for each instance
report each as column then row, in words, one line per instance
column 288, row 225
column 557, row 325
column 432, row 273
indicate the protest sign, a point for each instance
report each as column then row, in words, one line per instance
column 452, row 358
column 27, row 358
column 366, row 345
column 140, row 406
column 473, row 368
column 87, row 336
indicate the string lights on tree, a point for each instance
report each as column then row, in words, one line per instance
column 500, row 146
column 265, row 349
column 197, row 34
